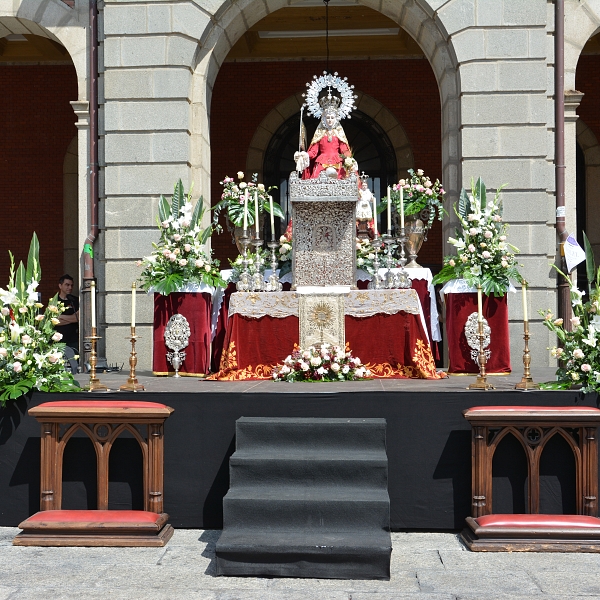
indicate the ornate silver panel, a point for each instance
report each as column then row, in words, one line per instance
column 177, row 333
column 472, row 335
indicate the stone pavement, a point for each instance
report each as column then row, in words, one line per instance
column 425, row 566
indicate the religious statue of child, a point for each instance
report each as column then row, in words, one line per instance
column 364, row 206
column 329, row 150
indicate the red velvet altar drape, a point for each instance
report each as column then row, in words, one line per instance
column 422, row 288
column 495, row 310
column 390, row 345
column 195, row 307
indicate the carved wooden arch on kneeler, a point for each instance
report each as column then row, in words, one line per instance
column 103, row 422
column 534, row 427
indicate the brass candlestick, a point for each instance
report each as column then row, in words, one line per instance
column 95, row 385
column 526, row 382
column 132, row 384
column 481, row 381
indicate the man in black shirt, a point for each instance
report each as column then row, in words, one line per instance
column 69, row 320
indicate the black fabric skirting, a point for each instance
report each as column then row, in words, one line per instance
column 428, row 447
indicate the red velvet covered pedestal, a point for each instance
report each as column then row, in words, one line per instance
column 195, row 307
column 458, row 308
column 119, row 528
column 538, row 533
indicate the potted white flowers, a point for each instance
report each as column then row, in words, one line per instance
column 180, row 257
column 484, row 257
column 31, row 351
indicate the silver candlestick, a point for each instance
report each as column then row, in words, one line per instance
column 274, row 284
column 258, row 282
column 375, row 283
column 389, row 241
column 243, row 285
column 402, row 278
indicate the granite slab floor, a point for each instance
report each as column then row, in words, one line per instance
column 425, row 566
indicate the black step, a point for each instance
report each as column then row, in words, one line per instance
column 308, row 498
column 304, row 554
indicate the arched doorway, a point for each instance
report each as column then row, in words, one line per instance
column 239, row 79
column 371, row 148
column 37, row 127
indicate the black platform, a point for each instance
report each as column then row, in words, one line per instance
column 428, row 448
column 308, row 498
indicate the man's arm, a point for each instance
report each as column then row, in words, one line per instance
column 65, row 319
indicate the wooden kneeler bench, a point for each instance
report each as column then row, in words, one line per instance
column 533, row 427
column 103, row 421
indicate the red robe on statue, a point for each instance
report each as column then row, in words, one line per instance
column 325, row 153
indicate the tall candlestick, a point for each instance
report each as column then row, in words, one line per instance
column 375, row 215
column 133, row 290
column 479, row 305
column 246, row 211
column 93, row 302
column 524, row 289
column 389, row 210
column 272, row 218
column 256, row 213
column 401, row 207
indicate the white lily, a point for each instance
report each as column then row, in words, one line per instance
column 591, row 338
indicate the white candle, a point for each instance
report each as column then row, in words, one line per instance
column 256, row 213
column 246, row 210
column 93, row 302
column 401, row 207
column 479, row 305
column 389, row 210
column 272, row 218
column 524, row 289
column 375, row 215
column 133, row 305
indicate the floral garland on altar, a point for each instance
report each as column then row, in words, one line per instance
column 579, row 346
column 484, row 257
column 181, row 256
column 31, row 353
column 329, row 363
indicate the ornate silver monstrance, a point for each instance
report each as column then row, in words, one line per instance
column 472, row 335
column 321, row 319
column 177, row 336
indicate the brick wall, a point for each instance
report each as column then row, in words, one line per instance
column 36, row 126
column 245, row 93
column 587, row 80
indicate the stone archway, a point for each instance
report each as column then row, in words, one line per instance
column 291, row 106
column 67, row 25
column 414, row 16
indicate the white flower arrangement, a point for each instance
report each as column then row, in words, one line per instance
column 579, row 345
column 327, row 363
column 181, row 255
column 31, row 351
column 484, row 257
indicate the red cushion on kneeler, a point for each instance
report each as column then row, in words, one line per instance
column 103, row 404
column 61, row 519
column 542, row 521
column 583, row 409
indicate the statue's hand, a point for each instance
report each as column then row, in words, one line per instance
column 302, row 160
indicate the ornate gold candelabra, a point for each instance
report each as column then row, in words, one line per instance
column 526, row 382
column 95, row 385
column 481, row 381
column 132, row 384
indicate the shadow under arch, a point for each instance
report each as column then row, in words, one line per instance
column 590, row 147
